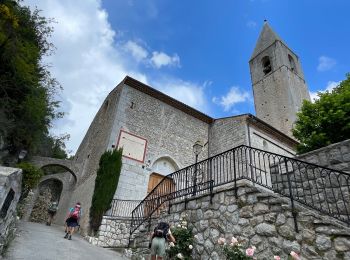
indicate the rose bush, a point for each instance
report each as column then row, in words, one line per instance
column 182, row 248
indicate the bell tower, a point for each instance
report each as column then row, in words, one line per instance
column 278, row 81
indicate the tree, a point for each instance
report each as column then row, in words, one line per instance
column 326, row 121
column 105, row 185
column 27, row 105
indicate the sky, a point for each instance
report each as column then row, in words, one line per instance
column 195, row 51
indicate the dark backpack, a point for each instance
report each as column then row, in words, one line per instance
column 161, row 230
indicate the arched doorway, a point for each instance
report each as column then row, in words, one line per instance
column 49, row 190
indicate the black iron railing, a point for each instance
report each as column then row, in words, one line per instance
column 320, row 188
column 122, row 208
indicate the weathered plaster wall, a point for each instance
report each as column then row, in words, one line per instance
column 10, row 178
column 267, row 142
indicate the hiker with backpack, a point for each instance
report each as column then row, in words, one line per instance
column 52, row 212
column 160, row 236
column 73, row 220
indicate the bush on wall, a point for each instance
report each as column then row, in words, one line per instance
column 31, row 176
column 105, row 186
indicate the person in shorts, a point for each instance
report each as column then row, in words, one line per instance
column 72, row 220
column 160, row 237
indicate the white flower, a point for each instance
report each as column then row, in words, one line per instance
column 178, row 225
column 190, row 246
column 221, row 241
column 233, row 241
column 180, row 256
column 171, row 244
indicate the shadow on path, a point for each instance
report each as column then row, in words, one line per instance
column 39, row 242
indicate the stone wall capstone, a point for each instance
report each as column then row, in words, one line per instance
column 335, row 156
column 10, row 192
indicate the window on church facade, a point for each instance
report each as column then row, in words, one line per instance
column 292, row 63
column 266, row 63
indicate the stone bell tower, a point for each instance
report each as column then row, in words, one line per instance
column 278, row 81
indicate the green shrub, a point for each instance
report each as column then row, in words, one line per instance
column 105, row 186
column 31, row 176
column 182, row 249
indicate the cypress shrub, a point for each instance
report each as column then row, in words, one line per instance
column 105, row 186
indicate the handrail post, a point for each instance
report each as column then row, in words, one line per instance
column 211, row 182
column 131, row 224
column 195, row 177
column 234, row 172
column 294, row 213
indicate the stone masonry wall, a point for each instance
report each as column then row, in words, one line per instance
column 113, row 232
column 10, row 178
column 324, row 189
column 169, row 133
column 262, row 219
column 335, row 156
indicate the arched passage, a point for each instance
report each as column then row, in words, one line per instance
column 43, row 162
column 65, row 168
column 49, row 190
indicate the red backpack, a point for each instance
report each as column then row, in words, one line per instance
column 75, row 213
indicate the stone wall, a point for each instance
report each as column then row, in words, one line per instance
column 10, row 181
column 113, row 232
column 262, row 219
column 170, row 133
column 322, row 188
column 335, row 156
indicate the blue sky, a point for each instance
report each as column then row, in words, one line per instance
column 196, row 51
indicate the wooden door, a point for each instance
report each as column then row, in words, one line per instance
column 167, row 187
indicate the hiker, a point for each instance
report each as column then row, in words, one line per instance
column 73, row 220
column 52, row 212
column 160, row 236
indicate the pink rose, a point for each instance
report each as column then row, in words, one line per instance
column 276, row 257
column 250, row 251
column 221, row 241
column 294, row 255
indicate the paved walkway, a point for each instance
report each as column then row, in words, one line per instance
column 39, row 242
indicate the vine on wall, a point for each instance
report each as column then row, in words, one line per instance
column 105, row 185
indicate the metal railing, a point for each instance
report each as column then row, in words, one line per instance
column 323, row 189
column 122, row 208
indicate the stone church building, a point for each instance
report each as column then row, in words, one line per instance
column 158, row 132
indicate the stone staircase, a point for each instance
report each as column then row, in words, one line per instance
column 261, row 218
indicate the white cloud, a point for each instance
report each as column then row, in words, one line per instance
column 234, row 96
column 86, row 61
column 137, row 51
column 325, row 63
column 251, row 24
column 160, row 59
column 90, row 60
column 187, row 92
column 330, row 86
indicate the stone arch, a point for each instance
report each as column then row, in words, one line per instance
column 165, row 165
column 292, row 63
column 42, row 162
column 64, row 167
column 266, row 65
